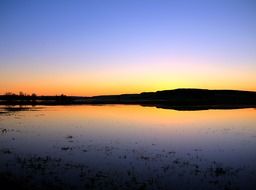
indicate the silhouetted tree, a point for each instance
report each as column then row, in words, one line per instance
column 10, row 96
column 22, row 94
column 33, row 97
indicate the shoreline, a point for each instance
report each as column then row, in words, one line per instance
column 180, row 99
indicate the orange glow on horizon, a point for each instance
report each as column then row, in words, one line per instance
column 94, row 91
column 130, row 78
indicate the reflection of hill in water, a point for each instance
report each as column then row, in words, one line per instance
column 202, row 107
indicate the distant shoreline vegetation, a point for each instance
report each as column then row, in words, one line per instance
column 182, row 99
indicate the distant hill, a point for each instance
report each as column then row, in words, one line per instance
column 183, row 97
column 175, row 99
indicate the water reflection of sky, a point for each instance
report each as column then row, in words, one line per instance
column 116, row 137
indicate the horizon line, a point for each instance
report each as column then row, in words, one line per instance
column 21, row 93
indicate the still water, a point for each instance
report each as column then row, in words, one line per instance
column 127, row 147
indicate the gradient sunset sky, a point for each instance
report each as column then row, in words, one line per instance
column 94, row 47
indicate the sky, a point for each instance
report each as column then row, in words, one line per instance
column 94, row 47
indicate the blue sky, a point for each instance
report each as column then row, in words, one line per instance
column 39, row 36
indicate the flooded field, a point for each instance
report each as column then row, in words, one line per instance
column 127, row 147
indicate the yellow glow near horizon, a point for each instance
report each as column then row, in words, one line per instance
column 157, row 74
column 113, row 87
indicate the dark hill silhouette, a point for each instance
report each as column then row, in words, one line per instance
column 181, row 99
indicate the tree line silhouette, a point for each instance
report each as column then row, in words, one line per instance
column 22, row 97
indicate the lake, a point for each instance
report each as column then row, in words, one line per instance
column 127, row 147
